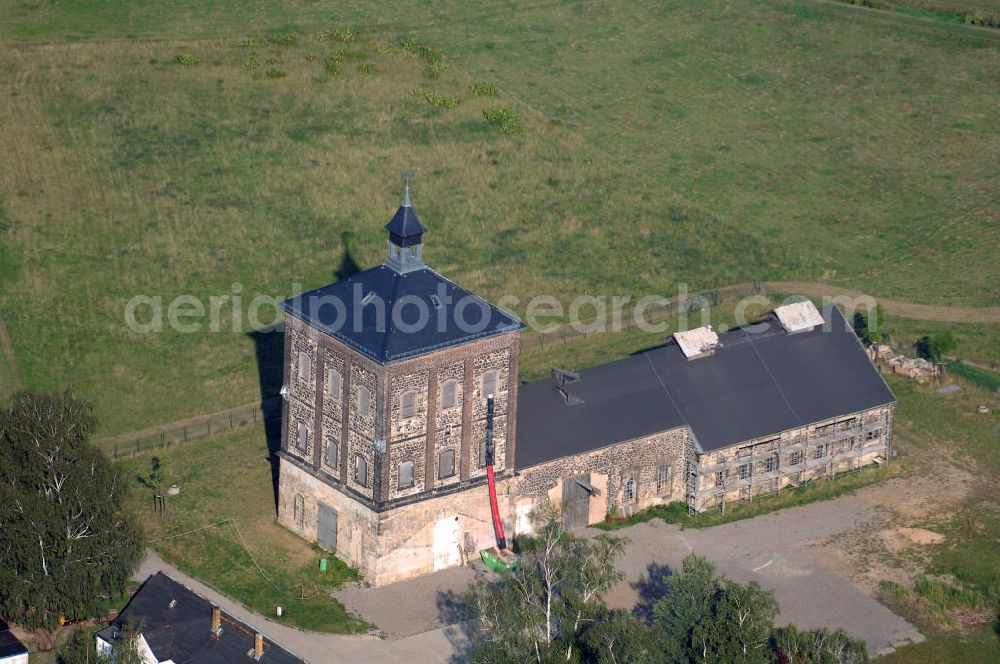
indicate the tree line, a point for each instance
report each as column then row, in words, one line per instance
column 550, row 608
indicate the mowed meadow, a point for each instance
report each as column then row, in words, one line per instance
column 167, row 151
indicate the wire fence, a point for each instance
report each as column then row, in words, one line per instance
column 196, row 428
column 200, row 428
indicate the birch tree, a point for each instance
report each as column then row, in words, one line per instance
column 67, row 539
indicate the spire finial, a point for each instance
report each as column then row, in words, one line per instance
column 407, row 174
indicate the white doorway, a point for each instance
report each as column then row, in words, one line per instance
column 446, row 550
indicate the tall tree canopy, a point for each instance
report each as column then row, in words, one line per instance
column 67, row 538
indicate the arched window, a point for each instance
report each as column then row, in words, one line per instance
column 408, row 404
column 489, row 384
column 364, row 401
column 360, row 470
column 406, row 475
column 302, row 437
column 448, row 394
column 300, row 511
column 446, row 464
column 333, row 383
column 305, row 366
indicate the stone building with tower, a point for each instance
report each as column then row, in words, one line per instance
column 387, row 375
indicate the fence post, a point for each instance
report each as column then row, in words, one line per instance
column 116, row 450
column 137, row 445
column 185, row 434
column 162, row 442
column 254, row 409
column 230, row 421
column 210, row 427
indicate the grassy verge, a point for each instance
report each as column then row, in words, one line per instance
column 979, row 645
column 984, row 378
column 230, row 478
column 820, row 489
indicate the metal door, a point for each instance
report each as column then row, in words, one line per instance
column 446, row 550
column 576, row 501
column 326, row 528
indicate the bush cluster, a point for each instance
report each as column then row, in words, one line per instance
column 441, row 100
column 484, row 89
column 188, row 60
column 504, row 119
column 369, row 68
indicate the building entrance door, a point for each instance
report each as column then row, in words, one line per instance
column 326, row 528
column 576, row 501
column 446, row 550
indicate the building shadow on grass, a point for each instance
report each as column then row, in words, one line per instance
column 269, row 347
column 453, row 611
column 652, row 587
column 348, row 266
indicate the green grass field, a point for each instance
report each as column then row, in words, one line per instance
column 696, row 142
column 230, row 477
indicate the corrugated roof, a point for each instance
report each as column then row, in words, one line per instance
column 337, row 310
column 182, row 633
column 760, row 381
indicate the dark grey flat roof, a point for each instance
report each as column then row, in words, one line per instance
column 463, row 316
column 760, row 381
column 182, row 633
column 9, row 644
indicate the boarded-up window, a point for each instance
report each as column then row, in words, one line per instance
column 406, row 475
column 448, row 394
column 302, row 437
column 360, row 470
column 489, row 384
column 333, row 383
column 300, row 511
column 305, row 366
column 364, row 401
column 332, row 452
column 664, row 478
column 408, row 404
column 446, row 464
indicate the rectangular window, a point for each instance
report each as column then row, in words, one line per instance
column 408, row 404
column 332, row 452
column 770, row 463
column 364, row 401
column 719, row 478
column 302, row 437
column 744, row 471
column 820, row 451
column 872, row 435
column 489, row 384
column 446, row 464
column 448, row 394
column 665, row 479
column 795, row 459
column 305, row 366
column 630, row 492
column 406, row 475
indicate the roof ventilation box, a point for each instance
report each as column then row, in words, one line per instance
column 699, row 342
column 799, row 317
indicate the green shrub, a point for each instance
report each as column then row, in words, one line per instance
column 945, row 597
column 311, row 57
column 250, row 63
column 441, row 100
column 435, row 70
column 504, row 119
column 274, row 72
column 369, row 68
column 892, row 589
column 188, row 60
column 332, row 66
column 484, row 89
column 287, row 39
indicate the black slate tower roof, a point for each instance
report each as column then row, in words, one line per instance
column 182, row 632
column 756, row 383
column 401, row 309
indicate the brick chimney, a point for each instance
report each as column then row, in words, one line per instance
column 258, row 645
column 216, row 622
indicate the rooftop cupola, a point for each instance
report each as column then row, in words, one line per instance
column 405, row 237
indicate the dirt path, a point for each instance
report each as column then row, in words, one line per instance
column 893, row 307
